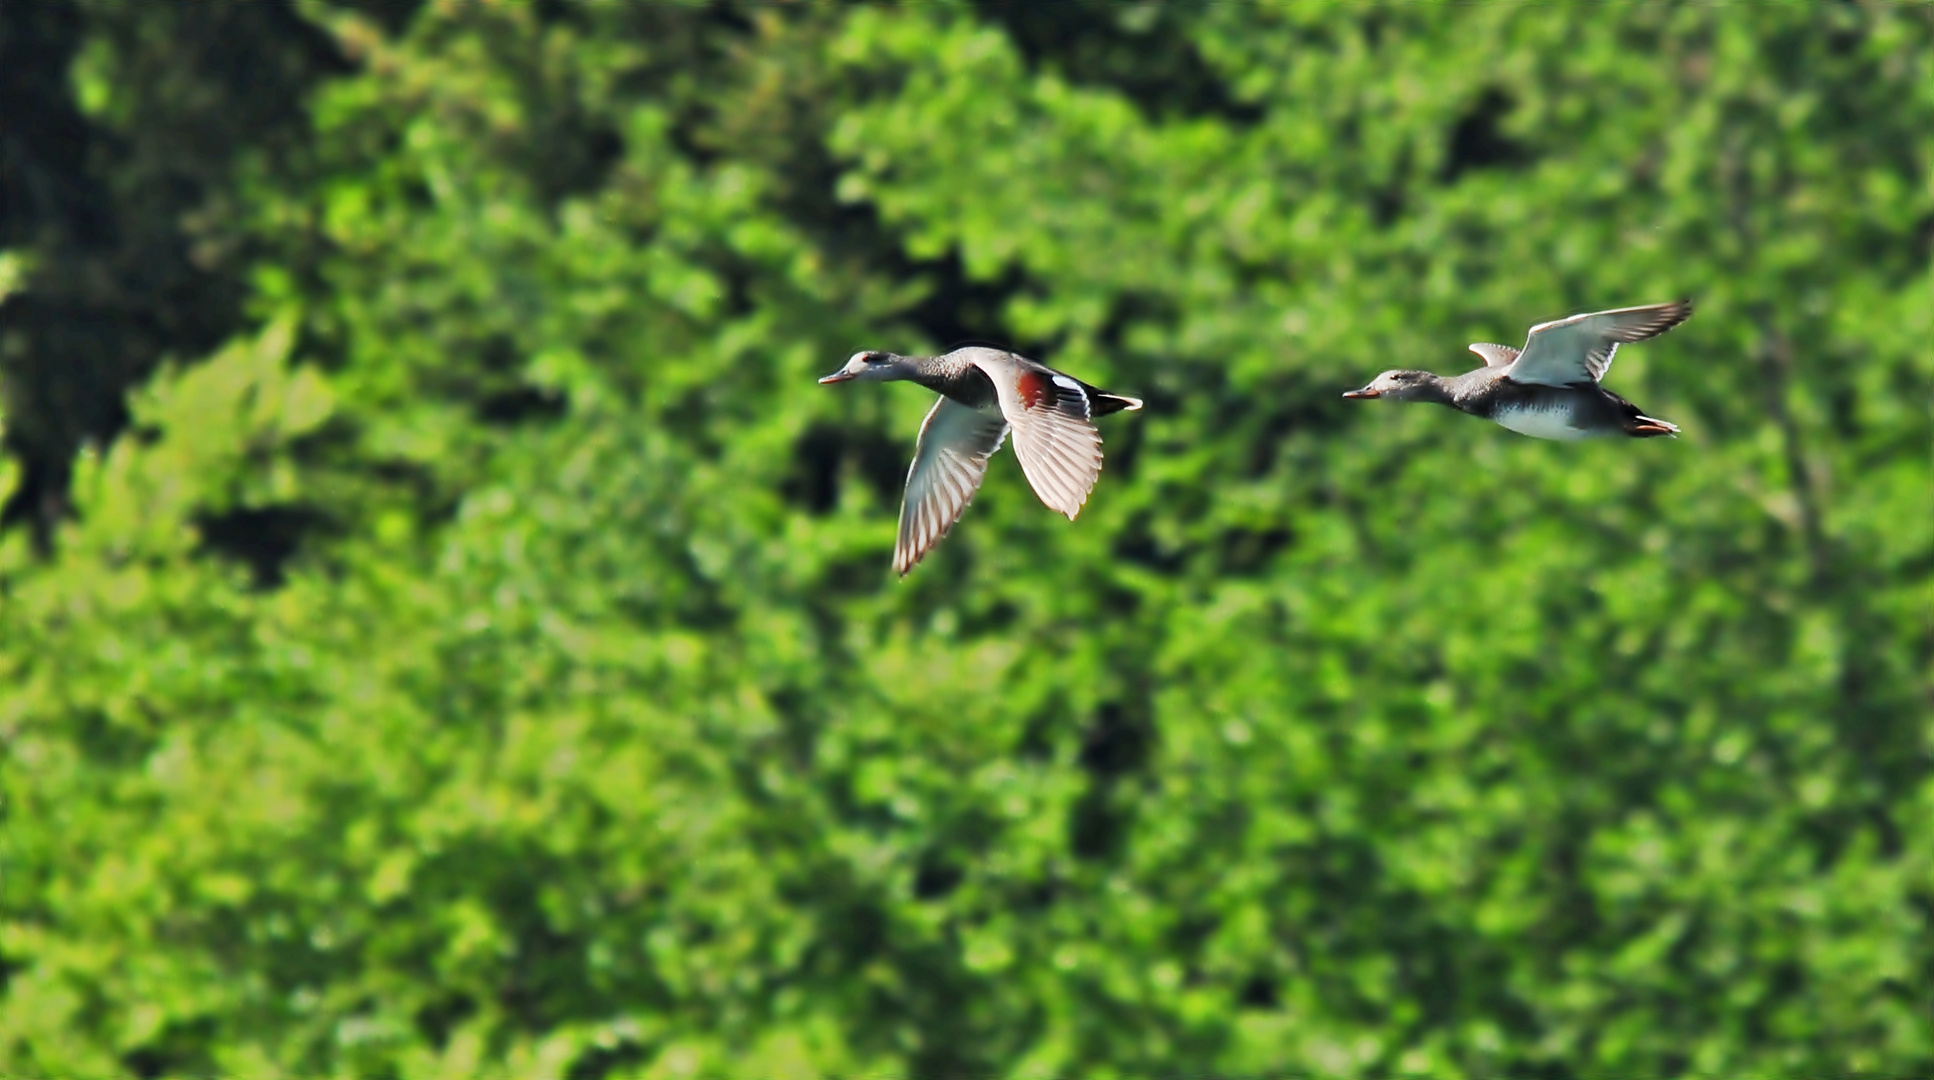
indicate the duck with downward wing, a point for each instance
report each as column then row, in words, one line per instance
column 984, row 393
column 1549, row 390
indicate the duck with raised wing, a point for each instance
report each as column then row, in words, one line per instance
column 983, row 394
column 1550, row 389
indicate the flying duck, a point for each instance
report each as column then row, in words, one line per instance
column 1549, row 390
column 983, row 393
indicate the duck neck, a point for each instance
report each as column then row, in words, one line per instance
column 1435, row 390
column 960, row 380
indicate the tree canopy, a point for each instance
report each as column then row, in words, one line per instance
column 444, row 629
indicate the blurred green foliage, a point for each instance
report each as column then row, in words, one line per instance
column 487, row 659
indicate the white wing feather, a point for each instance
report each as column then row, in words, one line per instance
column 1060, row 450
column 1579, row 349
column 948, row 465
column 1495, row 355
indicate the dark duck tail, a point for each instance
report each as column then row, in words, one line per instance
column 1101, row 402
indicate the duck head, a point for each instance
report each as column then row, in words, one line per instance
column 871, row 365
column 1398, row 386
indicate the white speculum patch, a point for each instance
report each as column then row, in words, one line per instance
column 1546, row 423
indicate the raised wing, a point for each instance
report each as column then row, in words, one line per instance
column 955, row 442
column 1579, row 349
column 1059, row 448
column 1495, row 355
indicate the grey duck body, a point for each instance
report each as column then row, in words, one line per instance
column 984, row 395
column 954, row 375
column 1542, row 412
column 1551, row 389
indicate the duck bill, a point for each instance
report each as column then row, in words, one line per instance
column 1366, row 392
column 838, row 376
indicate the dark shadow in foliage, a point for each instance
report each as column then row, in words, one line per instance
column 623, row 1057
column 522, row 404
column 824, row 452
column 1097, row 829
column 1140, row 51
column 1387, row 201
column 787, row 133
column 138, row 251
column 493, row 383
column 392, row 15
column 179, row 1049
column 937, row 1001
column 1477, row 142
column 1137, row 544
column 262, row 538
column 800, row 720
column 1271, row 411
column 592, row 156
column 957, row 310
column 706, row 40
column 1133, row 307
column 1116, row 745
column 47, row 200
column 104, row 742
column 855, row 934
column 817, row 455
column 936, row 877
column 844, row 579
column 44, row 144
column 547, row 981
column 440, row 1017
column 567, row 152
column 1037, row 737
column 984, row 616
column 1259, row 992
column 1134, row 377
column 1249, row 551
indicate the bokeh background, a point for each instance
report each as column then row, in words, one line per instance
column 444, row 631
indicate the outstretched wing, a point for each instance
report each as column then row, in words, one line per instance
column 955, row 442
column 1579, row 349
column 1495, row 355
column 1059, row 448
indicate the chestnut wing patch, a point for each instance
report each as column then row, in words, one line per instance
column 1059, row 448
column 1052, row 390
column 1031, row 388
